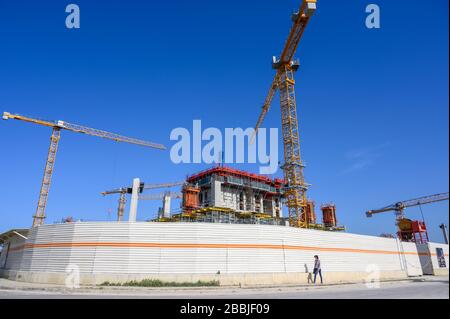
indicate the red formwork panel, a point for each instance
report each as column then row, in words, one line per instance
column 329, row 215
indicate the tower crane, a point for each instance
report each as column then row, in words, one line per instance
column 122, row 199
column 399, row 207
column 406, row 227
column 123, row 191
column 57, row 126
column 284, row 82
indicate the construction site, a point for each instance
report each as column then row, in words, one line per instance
column 232, row 226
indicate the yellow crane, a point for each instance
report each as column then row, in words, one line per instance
column 57, row 126
column 284, row 82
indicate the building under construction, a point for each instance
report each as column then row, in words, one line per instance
column 227, row 195
column 217, row 235
column 223, row 194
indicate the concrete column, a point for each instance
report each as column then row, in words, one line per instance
column 134, row 200
column 280, row 203
column 252, row 202
column 261, row 204
column 216, row 193
column 166, row 205
column 274, row 213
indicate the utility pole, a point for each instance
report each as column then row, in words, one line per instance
column 443, row 227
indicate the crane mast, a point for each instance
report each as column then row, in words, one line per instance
column 38, row 217
column 293, row 167
column 284, row 82
column 121, row 207
column 57, row 126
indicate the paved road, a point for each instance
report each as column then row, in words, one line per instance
column 435, row 289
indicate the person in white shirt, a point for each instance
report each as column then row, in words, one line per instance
column 317, row 269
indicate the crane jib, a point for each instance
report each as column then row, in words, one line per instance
column 410, row 203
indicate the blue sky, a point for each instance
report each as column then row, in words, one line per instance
column 372, row 104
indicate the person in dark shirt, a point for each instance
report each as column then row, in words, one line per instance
column 317, row 269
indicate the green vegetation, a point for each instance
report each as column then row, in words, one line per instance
column 159, row 283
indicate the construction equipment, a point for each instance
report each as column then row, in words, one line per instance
column 123, row 191
column 163, row 185
column 400, row 206
column 329, row 215
column 57, row 126
column 284, row 82
column 407, row 229
column 122, row 199
column 164, row 212
column 68, row 219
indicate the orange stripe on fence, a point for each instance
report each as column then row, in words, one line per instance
column 211, row 246
column 16, row 248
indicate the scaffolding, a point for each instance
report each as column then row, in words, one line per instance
column 227, row 216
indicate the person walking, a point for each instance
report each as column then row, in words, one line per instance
column 317, row 269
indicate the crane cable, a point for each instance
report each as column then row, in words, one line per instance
column 113, row 180
column 421, row 212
